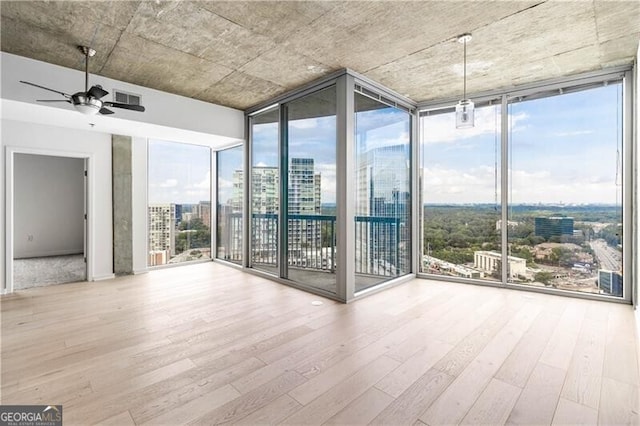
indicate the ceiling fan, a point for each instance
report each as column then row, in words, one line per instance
column 88, row 102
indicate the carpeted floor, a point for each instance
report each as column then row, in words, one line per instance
column 41, row 271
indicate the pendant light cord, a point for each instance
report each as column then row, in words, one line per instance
column 464, row 90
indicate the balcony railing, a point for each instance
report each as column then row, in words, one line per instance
column 380, row 246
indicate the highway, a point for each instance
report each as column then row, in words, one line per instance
column 609, row 258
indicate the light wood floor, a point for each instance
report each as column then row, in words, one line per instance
column 208, row 344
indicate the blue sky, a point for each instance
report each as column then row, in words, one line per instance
column 178, row 173
column 316, row 138
column 563, row 150
column 229, row 161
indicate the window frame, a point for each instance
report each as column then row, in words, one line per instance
column 535, row 91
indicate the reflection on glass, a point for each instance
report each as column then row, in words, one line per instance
column 565, row 206
column 265, row 192
column 311, row 199
column 461, row 195
column 179, row 210
column 230, row 196
column 383, row 192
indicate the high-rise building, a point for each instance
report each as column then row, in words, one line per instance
column 610, row 282
column 162, row 226
column 556, row 226
column 237, row 193
column 304, row 187
column 303, row 199
column 383, row 212
column 265, row 183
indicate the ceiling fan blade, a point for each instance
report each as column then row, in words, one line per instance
column 54, row 100
column 139, row 108
column 105, row 111
column 46, row 88
column 97, row 92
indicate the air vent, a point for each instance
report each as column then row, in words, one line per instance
column 126, row 98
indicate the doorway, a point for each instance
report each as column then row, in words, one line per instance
column 49, row 220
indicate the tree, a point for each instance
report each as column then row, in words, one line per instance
column 543, row 277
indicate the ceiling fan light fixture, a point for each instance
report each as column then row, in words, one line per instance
column 465, row 109
column 87, row 109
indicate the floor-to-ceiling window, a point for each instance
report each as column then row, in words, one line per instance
column 230, row 190
column 300, row 231
column 460, row 186
column 311, row 189
column 179, row 203
column 383, row 191
column 265, row 190
column 566, row 189
column 551, row 189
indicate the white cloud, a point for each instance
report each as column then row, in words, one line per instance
column 475, row 185
column 307, row 123
column 169, row 183
column 268, row 128
column 478, row 185
column 441, row 128
column 573, row 133
column 204, row 183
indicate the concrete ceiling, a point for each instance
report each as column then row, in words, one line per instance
column 242, row 53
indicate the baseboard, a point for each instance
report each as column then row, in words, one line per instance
column 51, row 253
column 104, row 277
column 140, row 271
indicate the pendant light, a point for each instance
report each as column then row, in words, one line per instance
column 465, row 107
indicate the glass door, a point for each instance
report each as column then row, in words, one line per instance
column 265, row 191
column 310, row 181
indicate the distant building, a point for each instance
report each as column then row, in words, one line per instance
column 162, row 224
column 158, row 257
column 303, row 199
column 265, row 183
column 489, row 261
column 304, row 187
column 442, row 267
column 547, row 227
column 510, row 224
column 204, row 212
column 178, row 213
column 237, row 194
column 610, row 282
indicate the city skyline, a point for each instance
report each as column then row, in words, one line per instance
column 458, row 165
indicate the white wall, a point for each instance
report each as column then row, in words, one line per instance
column 58, row 129
column 33, row 138
column 167, row 116
column 48, row 205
